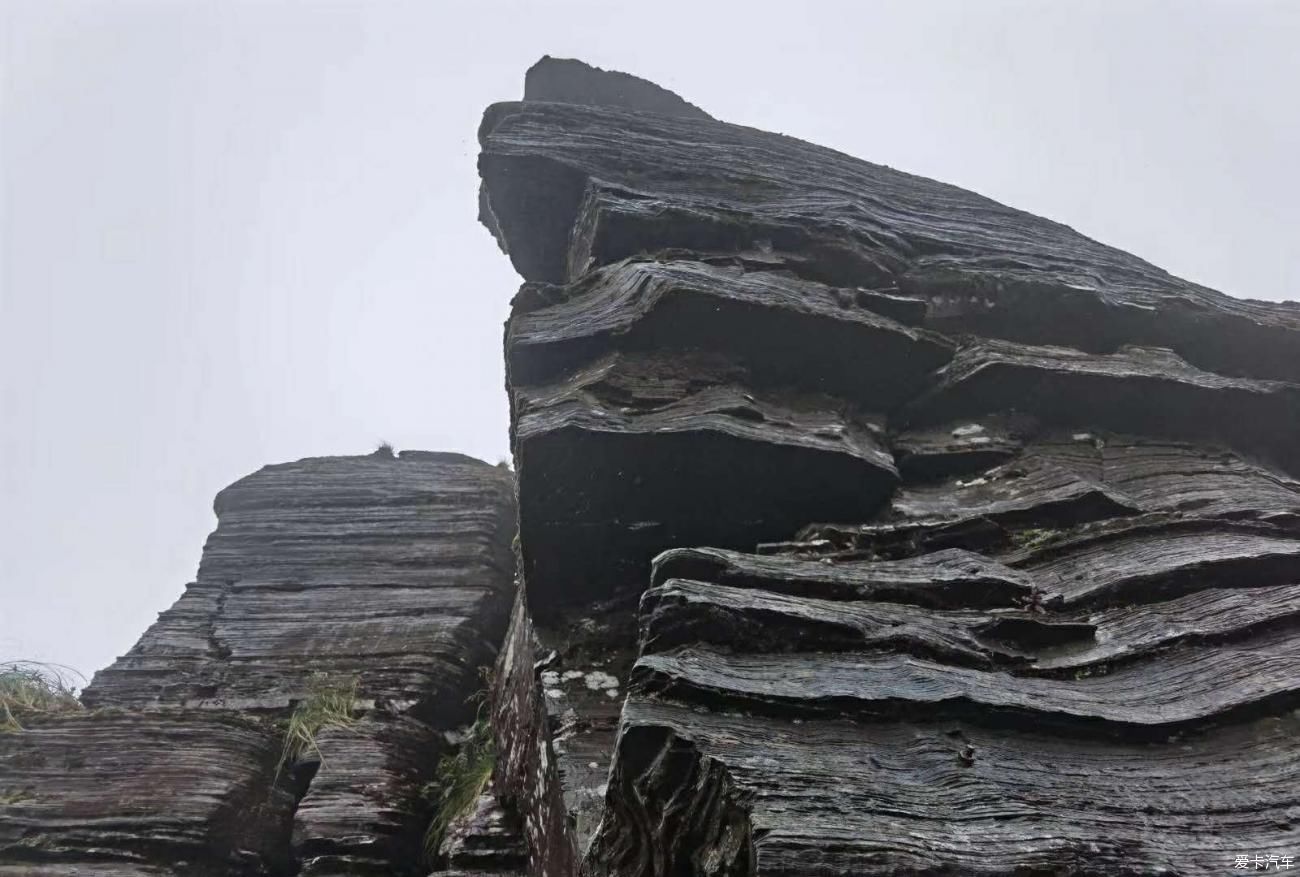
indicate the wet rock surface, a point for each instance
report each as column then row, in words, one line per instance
column 865, row 526
column 636, row 453
column 134, row 793
column 395, row 569
column 381, row 582
column 570, row 186
column 486, row 839
column 839, row 796
column 1058, row 632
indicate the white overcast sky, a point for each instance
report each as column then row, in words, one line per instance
column 244, row 232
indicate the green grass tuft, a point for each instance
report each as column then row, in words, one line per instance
column 330, row 703
column 29, row 688
column 462, row 776
column 1032, row 539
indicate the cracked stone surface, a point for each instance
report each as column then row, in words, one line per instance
column 390, row 572
column 865, row 526
column 1058, row 633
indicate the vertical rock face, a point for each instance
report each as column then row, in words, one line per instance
column 383, row 580
column 394, row 569
column 907, row 532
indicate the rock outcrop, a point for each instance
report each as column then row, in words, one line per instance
column 909, row 532
column 861, row 525
column 384, row 581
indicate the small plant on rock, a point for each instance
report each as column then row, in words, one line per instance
column 28, row 688
column 462, row 776
column 1033, row 539
column 330, row 703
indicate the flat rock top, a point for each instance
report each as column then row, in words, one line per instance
column 393, row 568
column 381, row 478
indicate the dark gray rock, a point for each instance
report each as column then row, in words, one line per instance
column 486, row 839
column 681, row 613
column 1168, row 693
column 120, row 794
column 1179, row 477
column 526, row 774
column 363, row 811
column 1142, row 391
column 387, row 576
column 395, row 569
column 1144, row 563
column 733, row 794
column 784, row 331
column 1024, row 601
column 637, row 453
column 949, row 578
column 957, row 449
column 1025, row 489
column 890, row 541
column 569, row 187
column 569, row 81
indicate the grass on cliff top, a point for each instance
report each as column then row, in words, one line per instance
column 462, row 776
column 330, row 703
column 29, row 688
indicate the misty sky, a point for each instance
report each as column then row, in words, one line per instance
column 244, row 232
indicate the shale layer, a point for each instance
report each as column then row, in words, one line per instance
column 868, row 526
column 858, row 525
column 368, row 591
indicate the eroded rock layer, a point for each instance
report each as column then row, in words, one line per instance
column 865, row 526
column 393, row 569
column 964, row 544
column 122, row 794
column 288, row 714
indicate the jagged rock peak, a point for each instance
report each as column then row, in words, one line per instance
column 569, row 81
column 584, row 176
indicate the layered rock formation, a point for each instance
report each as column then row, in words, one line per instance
column 871, row 527
column 864, row 526
column 384, row 580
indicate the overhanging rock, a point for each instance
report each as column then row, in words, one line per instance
column 964, row 544
column 635, row 453
column 865, row 526
column 572, row 182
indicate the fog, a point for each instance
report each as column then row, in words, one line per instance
column 236, row 233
